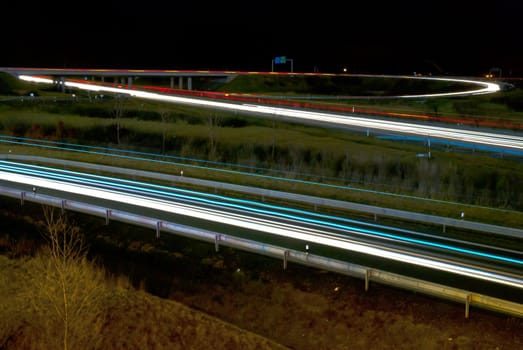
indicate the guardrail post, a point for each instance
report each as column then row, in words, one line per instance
column 444, row 228
column 158, row 228
column 63, row 206
column 367, row 279
column 285, row 257
column 107, row 215
column 467, row 305
column 217, row 239
column 22, row 197
column 375, row 217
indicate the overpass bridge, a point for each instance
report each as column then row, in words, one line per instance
column 126, row 76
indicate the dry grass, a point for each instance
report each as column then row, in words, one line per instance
column 138, row 320
column 215, row 305
column 133, row 320
column 324, row 311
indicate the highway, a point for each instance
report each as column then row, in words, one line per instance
column 263, row 221
column 505, row 140
column 296, row 229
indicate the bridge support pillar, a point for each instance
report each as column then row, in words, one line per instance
column 129, row 82
column 180, row 83
column 189, row 83
column 172, row 83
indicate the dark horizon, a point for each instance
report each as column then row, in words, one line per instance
column 399, row 38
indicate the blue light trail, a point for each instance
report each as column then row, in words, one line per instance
column 131, row 156
column 239, row 204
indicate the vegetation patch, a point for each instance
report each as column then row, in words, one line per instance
column 234, row 300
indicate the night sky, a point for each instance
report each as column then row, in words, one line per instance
column 438, row 37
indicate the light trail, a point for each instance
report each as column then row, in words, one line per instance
column 263, row 225
column 254, row 207
column 185, row 162
column 284, row 229
column 463, row 135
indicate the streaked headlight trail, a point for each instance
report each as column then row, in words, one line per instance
column 250, row 222
column 463, row 135
column 286, row 222
column 245, row 205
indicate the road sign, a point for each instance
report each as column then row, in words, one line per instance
column 280, row 60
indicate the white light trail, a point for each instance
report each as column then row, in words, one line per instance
column 36, row 79
column 463, row 135
column 263, row 225
column 488, row 88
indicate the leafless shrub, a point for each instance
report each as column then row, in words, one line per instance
column 66, row 291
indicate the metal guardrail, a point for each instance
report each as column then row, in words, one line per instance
column 287, row 255
column 266, row 193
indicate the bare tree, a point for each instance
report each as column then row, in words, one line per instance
column 273, row 144
column 213, row 135
column 164, row 115
column 68, row 290
column 118, row 112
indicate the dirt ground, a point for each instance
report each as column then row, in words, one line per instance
column 306, row 309
column 322, row 311
column 303, row 308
